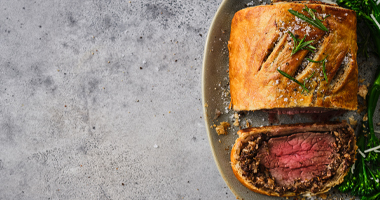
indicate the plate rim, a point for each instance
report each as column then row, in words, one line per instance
column 205, row 54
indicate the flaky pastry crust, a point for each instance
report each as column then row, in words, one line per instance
column 260, row 44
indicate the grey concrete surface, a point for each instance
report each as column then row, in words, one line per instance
column 102, row 100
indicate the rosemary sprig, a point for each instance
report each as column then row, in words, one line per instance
column 310, row 60
column 301, row 44
column 326, row 17
column 324, row 70
column 295, row 80
column 323, row 61
column 310, row 76
column 313, row 20
column 310, row 11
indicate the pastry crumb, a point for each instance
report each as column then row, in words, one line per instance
column 236, row 123
column 363, row 91
column 353, row 122
column 365, row 118
column 247, row 123
column 221, row 129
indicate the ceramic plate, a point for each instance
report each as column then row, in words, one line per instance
column 216, row 96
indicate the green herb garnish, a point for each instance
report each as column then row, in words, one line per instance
column 313, row 20
column 310, row 76
column 323, row 61
column 310, row 11
column 326, row 17
column 324, row 70
column 301, row 44
column 295, row 80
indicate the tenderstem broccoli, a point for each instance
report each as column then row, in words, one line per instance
column 364, row 181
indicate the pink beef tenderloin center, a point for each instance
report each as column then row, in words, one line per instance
column 299, row 156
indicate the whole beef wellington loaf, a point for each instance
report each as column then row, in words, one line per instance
column 260, row 43
column 289, row 160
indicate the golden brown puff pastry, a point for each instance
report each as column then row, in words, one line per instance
column 289, row 160
column 260, row 44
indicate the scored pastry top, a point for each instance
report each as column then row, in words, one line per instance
column 261, row 45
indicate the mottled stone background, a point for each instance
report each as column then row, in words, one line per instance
column 102, row 100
